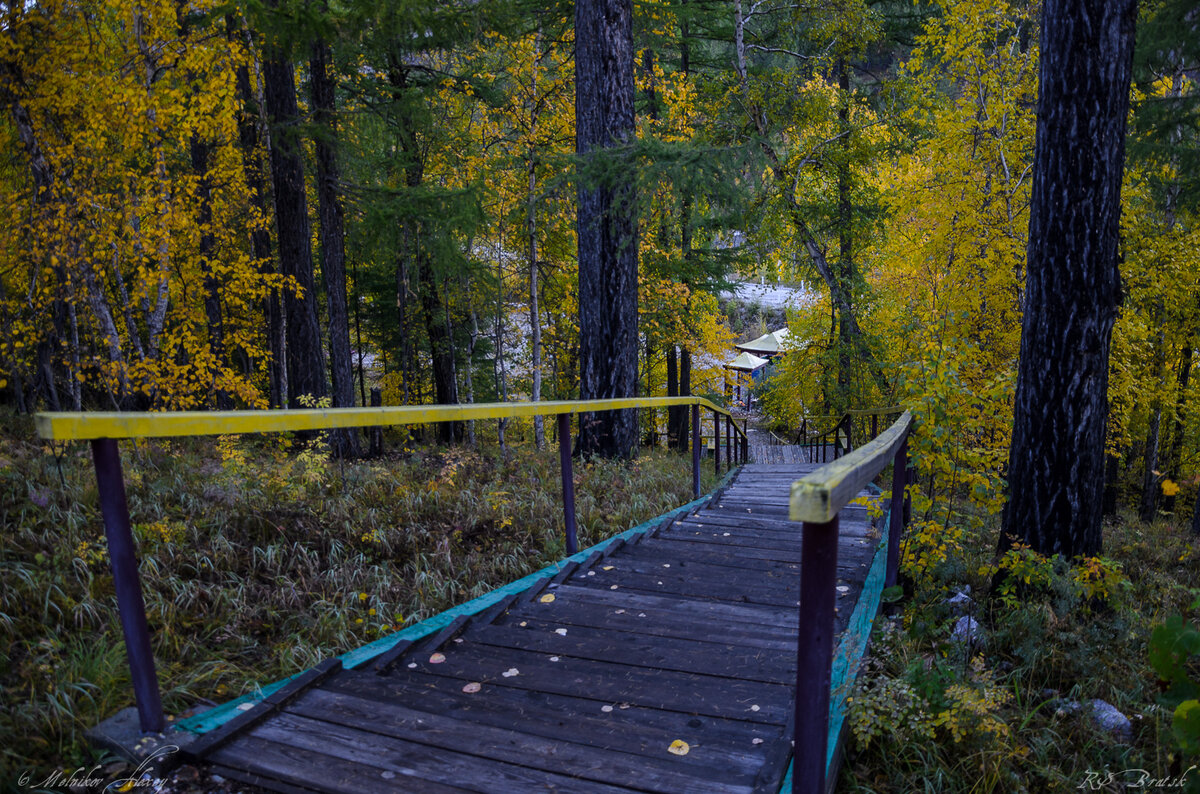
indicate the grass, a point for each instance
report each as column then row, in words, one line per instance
column 258, row 560
column 929, row 714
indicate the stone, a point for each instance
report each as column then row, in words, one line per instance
column 967, row 630
column 1109, row 718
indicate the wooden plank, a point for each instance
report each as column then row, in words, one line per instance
column 727, row 660
column 658, row 623
column 606, row 682
column 768, row 616
column 629, row 728
column 412, row 765
column 666, row 774
column 266, row 707
column 269, row 763
column 819, row 496
column 744, row 591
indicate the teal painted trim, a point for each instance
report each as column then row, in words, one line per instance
column 219, row 715
column 850, row 650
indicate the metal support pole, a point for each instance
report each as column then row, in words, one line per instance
column 814, row 655
column 874, row 425
column 568, row 481
column 716, row 442
column 896, row 522
column 696, row 451
column 745, row 441
column 729, row 444
column 130, row 605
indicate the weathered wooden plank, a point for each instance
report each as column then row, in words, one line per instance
column 652, row 622
column 665, row 581
column 627, row 727
column 665, row 773
column 414, row 765
column 271, row 763
column 726, row 660
column 614, row 683
column 260, row 711
column 744, row 613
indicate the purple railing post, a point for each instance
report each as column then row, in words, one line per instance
column 874, row 426
column 568, row 480
column 130, row 605
column 696, row 451
column 896, row 524
column 716, row 442
column 814, row 654
column 745, row 441
column 729, row 444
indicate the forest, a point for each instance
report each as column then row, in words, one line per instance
column 338, row 203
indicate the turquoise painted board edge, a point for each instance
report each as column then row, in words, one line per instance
column 219, row 715
column 851, row 649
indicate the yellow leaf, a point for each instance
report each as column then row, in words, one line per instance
column 547, row 599
column 678, row 747
column 1169, row 487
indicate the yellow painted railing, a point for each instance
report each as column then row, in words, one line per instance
column 152, row 424
column 104, row 430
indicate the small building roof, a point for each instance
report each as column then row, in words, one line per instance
column 747, row 362
column 768, row 344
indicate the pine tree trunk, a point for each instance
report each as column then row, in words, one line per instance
column 250, row 139
column 212, row 288
column 1148, row 508
column 1175, row 453
column 333, row 249
column 305, row 357
column 607, row 223
column 672, row 391
column 1056, row 462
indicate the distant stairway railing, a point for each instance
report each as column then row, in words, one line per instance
column 104, row 429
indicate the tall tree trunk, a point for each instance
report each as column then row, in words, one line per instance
column 441, row 350
column 673, row 391
column 1148, row 508
column 1073, row 289
column 305, row 357
column 499, row 370
column 847, row 341
column 683, row 427
column 212, row 287
column 607, row 223
column 531, row 241
column 252, row 134
column 1175, row 453
column 333, row 248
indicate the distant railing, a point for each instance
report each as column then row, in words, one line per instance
column 837, row 438
column 817, row 500
column 103, row 429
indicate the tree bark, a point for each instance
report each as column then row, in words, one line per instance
column 344, row 442
column 305, row 358
column 1175, row 453
column 607, row 223
column 1073, row 289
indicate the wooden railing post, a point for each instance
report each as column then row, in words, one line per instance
column 568, row 480
column 695, row 451
column 896, row 524
column 814, row 655
column 130, row 605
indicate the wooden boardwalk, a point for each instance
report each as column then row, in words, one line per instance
column 665, row 663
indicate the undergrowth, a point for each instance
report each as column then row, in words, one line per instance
column 259, row 559
column 1009, row 710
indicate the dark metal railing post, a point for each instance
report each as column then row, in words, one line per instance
column 814, row 655
column 696, row 451
column 745, row 441
column 729, row 462
column 874, row 426
column 568, row 480
column 130, row 605
column 716, row 442
column 896, row 524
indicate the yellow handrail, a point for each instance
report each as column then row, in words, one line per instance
column 818, row 497
column 98, row 424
